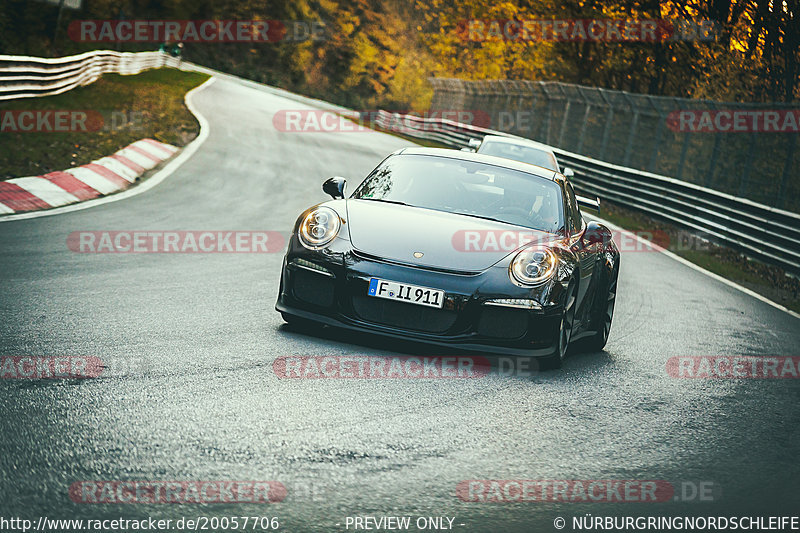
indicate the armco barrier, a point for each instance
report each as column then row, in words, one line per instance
column 30, row 77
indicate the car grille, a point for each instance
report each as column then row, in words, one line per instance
column 503, row 323
column 313, row 288
column 403, row 315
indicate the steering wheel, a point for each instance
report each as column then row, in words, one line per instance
column 522, row 215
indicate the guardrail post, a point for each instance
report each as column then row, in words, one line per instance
column 583, row 127
column 545, row 131
column 626, row 160
column 606, row 131
column 684, row 149
column 748, row 163
column 787, row 169
column 520, row 101
column 713, row 162
column 563, row 125
column 507, row 104
column 58, row 25
column 629, row 146
column 662, row 123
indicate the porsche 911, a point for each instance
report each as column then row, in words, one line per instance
column 455, row 249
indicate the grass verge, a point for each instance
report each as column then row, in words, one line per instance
column 149, row 104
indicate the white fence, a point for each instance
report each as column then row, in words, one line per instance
column 29, row 77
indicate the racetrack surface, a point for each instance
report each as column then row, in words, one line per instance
column 190, row 393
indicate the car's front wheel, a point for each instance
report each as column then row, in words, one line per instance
column 603, row 313
column 556, row 359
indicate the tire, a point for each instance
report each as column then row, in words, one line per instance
column 603, row 314
column 556, row 359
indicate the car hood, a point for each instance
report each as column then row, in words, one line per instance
column 446, row 240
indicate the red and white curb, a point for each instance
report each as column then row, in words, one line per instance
column 98, row 178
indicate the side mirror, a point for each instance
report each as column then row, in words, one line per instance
column 568, row 173
column 594, row 234
column 334, row 187
column 474, row 143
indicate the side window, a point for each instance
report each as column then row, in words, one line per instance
column 574, row 214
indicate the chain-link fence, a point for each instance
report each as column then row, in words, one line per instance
column 747, row 150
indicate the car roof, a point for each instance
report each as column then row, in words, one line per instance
column 534, row 170
column 518, row 142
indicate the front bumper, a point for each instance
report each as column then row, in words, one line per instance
column 330, row 286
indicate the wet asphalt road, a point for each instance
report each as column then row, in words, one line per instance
column 190, row 393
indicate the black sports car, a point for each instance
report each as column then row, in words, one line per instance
column 458, row 249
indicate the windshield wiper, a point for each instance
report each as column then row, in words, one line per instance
column 481, row 216
column 385, row 201
column 498, row 220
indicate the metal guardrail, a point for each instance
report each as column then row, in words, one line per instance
column 759, row 231
column 30, row 77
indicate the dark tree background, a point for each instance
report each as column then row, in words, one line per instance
column 379, row 53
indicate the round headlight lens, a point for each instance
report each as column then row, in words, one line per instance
column 319, row 227
column 533, row 265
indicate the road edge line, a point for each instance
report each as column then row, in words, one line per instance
column 698, row 268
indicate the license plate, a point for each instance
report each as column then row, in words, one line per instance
column 413, row 294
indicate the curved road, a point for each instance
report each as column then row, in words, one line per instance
column 190, row 394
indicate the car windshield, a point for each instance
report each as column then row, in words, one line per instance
column 523, row 154
column 467, row 188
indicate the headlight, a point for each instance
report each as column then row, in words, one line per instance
column 533, row 266
column 319, row 227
